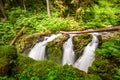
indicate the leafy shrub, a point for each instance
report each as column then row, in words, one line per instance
column 8, row 55
column 40, row 22
column 106, row 65
column 102, row 13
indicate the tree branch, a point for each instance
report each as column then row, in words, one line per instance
column 18, row 34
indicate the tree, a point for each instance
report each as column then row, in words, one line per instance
column 2, row 9
column 23, row 4
column 48, row 8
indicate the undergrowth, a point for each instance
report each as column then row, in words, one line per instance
column 107, row 62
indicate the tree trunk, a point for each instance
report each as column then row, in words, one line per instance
column 48, row 8
column 2, row 9
column 117, row 28
column 77, row 6
column 23, row 4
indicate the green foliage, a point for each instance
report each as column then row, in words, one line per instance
column 102, row 13
column 91, row 14
column 110, row 50
column 8, row 51
column 27, row 68
column 106, row 65
column 34, row 23
column 6, row 32
column 8, row 55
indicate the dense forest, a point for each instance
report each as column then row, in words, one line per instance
column 23, row 23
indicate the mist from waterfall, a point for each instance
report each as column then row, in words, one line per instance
column 88, row 56
column 68, row 52
column 38, row 51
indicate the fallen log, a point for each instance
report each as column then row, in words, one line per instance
column 116, row 28
column 18, row 34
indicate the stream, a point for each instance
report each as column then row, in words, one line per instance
column 83, row 62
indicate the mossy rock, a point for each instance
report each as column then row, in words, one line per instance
column 54, row 49
column 80, row 41
column 8, row 55
column 27, row 68
column 108, row 35
column 26, row 42
column 4, row 66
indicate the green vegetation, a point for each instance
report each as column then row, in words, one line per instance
column 79, row 42
column 94, row 15
column 27, row 68
column 65, row 15
column 107, row 62
column 102, row 13
column 8, row 56
column 54, row 49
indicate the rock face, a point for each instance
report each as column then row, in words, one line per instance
column 54, row 49
column 26, row 42
column 8, row 55
column 80, row 41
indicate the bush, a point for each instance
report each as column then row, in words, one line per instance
column 106, row 65
column 102, row 13
column 8, row 55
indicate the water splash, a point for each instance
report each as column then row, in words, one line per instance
column 88, row 56
column 38, row 51
column 68, row 53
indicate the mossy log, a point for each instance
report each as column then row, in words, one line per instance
column 116, row 28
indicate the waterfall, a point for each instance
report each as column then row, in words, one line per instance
column 68, row 53
column 38, row 51
column 88, row 56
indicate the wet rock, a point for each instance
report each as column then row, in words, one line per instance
column 80, row 41
column 108, row 35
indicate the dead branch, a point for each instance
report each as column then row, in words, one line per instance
column 18, row 34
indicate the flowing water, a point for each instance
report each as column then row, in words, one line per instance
column 83, row 62
column 88, row 56
column 38, row 51
column 68, row 53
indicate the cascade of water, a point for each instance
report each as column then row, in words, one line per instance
column 38, row 51
column 88, row 56
column 68, row 53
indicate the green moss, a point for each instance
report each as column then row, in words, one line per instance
column 3, row 61
column 8, row 51
column 8, row 54
column 27, row 68
column 54, row 49
column 4, row 65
